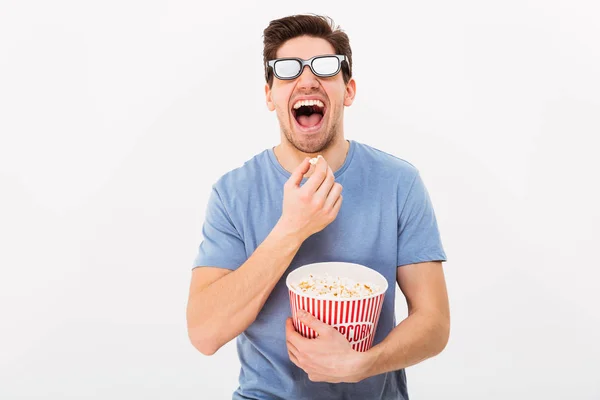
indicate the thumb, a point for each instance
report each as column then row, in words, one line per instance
column 312, row 322
column 299, row 172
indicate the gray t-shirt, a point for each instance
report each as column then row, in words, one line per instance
column 386, row 221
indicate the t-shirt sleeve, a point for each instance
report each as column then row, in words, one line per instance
column 222, row 246
column 418, row 233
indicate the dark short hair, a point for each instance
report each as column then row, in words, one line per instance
column 281, row 30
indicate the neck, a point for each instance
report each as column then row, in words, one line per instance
column 290, row 157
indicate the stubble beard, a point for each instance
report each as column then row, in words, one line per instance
column 312, row 144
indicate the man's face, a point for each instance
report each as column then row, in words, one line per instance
column 309, row 133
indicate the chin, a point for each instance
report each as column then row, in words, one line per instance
column 314, row 143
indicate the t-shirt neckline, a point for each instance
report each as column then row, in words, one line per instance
column 336, row 174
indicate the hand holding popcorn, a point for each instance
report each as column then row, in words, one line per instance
column 309, row 208
column 329, row 357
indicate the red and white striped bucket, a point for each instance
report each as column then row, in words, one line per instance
column 355, row 318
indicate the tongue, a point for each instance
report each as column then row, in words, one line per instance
column 308, row 121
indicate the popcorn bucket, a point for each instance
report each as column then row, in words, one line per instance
column 355, row 316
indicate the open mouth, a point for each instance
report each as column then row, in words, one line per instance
column 309, row 114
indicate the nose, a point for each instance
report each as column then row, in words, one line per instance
column 307, row 80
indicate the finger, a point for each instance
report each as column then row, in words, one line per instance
column 322, row 378
column 292, row 349
column 327, row 184
column 299, row 172
column 289, row 327
column 313, row 165
column 337, row 205
column 312, row 322
column 294, row 359
column 291, row 335
column 319, row 378
column 317, row 177
column 333, row 197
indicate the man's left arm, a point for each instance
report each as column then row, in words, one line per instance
column 425, row 332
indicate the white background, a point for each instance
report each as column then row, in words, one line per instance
column 116, row 117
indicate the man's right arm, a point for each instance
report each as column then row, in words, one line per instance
column 223, row 303
column 222, row 310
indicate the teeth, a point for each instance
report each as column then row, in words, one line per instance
column 301, row 103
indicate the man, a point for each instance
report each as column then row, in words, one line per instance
column 278, row 212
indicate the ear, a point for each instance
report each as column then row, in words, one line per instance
column 270, row 104
column 350, row 92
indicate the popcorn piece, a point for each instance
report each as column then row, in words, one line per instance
column 314, row 161
column 330, row 287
